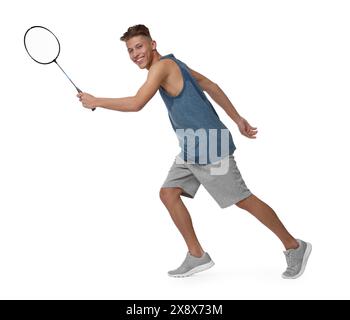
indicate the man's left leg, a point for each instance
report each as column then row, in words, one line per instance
column 269, row 218
column 297, row 251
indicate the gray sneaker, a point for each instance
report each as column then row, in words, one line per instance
column 192, row 265
column 296, row 260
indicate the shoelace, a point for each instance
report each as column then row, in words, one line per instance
column 290, row 257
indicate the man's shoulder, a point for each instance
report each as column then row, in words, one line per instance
column 162, row 64
column 164, row 67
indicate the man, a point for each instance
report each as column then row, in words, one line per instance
column 202, row 136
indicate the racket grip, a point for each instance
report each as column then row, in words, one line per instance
column 93, row 109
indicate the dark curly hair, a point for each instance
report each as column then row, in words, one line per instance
column 137, row 30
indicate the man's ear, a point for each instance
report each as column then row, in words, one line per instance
column 154, row 45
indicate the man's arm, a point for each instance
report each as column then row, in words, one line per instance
column 135, row 103
column 216, row 94
column 223, row 101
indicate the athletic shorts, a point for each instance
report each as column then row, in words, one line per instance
column 226, row 186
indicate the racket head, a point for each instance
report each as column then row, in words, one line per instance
column 42, row 45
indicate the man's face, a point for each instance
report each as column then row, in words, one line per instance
column 140, row 51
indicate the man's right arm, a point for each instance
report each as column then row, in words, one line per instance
column 156, row 75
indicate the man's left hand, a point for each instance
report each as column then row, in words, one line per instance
column 246, row 129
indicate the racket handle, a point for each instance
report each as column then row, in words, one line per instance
column 93, row 109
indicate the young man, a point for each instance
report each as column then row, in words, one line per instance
column 201, row 135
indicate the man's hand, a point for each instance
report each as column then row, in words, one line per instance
column 246, row 129
column 88, row 100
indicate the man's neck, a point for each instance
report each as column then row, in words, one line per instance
column 156, row 57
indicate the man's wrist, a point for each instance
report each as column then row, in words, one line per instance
column 237, row 118
column 97, row 102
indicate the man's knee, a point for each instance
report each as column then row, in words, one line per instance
column 245, row 203
column 169, row 195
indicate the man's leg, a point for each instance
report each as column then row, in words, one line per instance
column 182, row 219
column 268, row 217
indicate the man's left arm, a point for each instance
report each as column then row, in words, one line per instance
column 219, row 96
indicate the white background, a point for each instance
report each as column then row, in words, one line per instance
column 80, row 216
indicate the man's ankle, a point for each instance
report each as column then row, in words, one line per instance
column 196, row 253
column 294, row 244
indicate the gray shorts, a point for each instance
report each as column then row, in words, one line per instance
column 227, row 189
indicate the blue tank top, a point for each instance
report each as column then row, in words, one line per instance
column 203, row 138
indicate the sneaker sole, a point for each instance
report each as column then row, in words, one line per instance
column 200, row 268
column 303, row 265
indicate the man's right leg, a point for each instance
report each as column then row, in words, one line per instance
column 182, row 219
column 196, row 259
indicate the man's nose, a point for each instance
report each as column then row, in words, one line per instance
column 135, row 54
